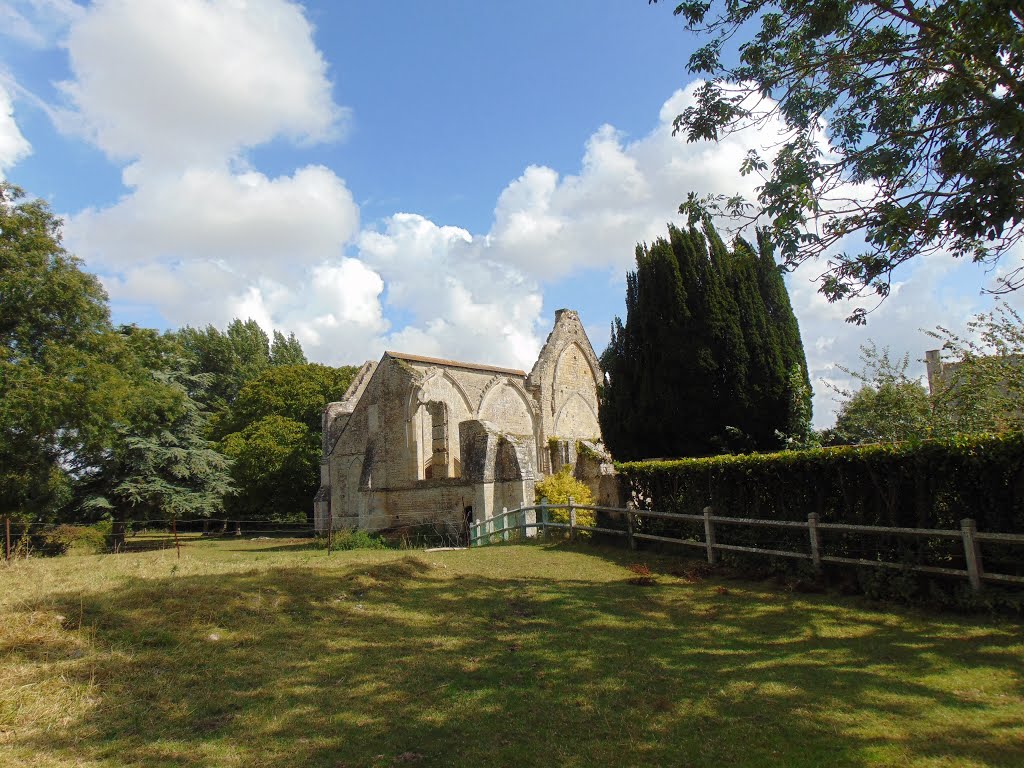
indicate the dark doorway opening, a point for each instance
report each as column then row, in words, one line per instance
column 467, row 524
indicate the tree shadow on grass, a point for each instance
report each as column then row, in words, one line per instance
column 279, row 544
column 404, row 662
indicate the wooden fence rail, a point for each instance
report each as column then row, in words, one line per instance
column 532, row 521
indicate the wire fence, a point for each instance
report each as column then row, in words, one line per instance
column 24, row 538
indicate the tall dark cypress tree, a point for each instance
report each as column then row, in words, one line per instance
column 655, row 309
column 702, row 363
column 786, row 330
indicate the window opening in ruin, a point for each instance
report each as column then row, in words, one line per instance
column 436, row 466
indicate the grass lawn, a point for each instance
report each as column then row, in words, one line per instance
column 267, row 653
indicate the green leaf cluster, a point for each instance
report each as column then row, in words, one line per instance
column 921, row 103
column 558, row 489
column 924, row 484
column 981, row 388
column 60, row 387
column 297, row 392
column 234, row 357
column 272, row 431
column 710, row 358
column 116, row 423
column 159, row 463
column 887, row 407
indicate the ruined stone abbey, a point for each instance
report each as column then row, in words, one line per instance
column 418, row 439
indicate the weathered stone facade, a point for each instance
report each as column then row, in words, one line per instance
column 419, row 439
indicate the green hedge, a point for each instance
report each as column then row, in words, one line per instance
column 931, row 484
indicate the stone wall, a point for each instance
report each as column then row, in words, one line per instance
column 564, row 382
column 418, row 439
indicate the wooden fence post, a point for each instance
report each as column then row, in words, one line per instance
column 544, row 516
column 815, row 534
column 504, row 523
column 709, row 536
column 330, row 526
column 572, row 520
column 174, row 530
column 630, row 541
column 972, row 553
column 7, row 539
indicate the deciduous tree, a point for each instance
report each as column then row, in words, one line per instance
column 921, row 103
column 231, row 357
column 298, row 392
column 272, row 432
column 983, row 390
column 286, row 350
column 158, row 463
column 276, row 469
column 59, row 388
column 887, row 407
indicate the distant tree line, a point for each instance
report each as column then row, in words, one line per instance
column 128, row 423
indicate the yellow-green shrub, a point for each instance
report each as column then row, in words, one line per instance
column 558, row 488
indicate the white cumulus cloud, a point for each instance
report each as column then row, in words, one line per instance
column 179, row 82
column 179, row 91
column 625, row 192
column 462, row 304
column 255, row 225
column 13, row 146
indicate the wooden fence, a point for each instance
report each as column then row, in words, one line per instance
column 522, row 520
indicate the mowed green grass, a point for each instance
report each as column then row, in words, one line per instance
column 267, row 653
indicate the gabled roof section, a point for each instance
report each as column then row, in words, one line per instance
column 567, row 330
column 454, row 364
column 357, row 387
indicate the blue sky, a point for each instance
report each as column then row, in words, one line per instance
column 431, row 177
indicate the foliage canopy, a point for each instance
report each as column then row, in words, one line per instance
column 887, row 407
column 922, row 106
column 273, row 434
column 981, row 388
column 157, row 463
column 59, row 388
column 298, row 392
column 276, row 462
column 978, row 388
column 709, row 357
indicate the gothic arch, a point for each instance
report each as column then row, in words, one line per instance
column 421, row 393
column 595, row 372
column 502, row 384
column 573, row 405
column 556, row 379
column 499, row 381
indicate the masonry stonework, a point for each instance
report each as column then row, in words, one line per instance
column 423, row 440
